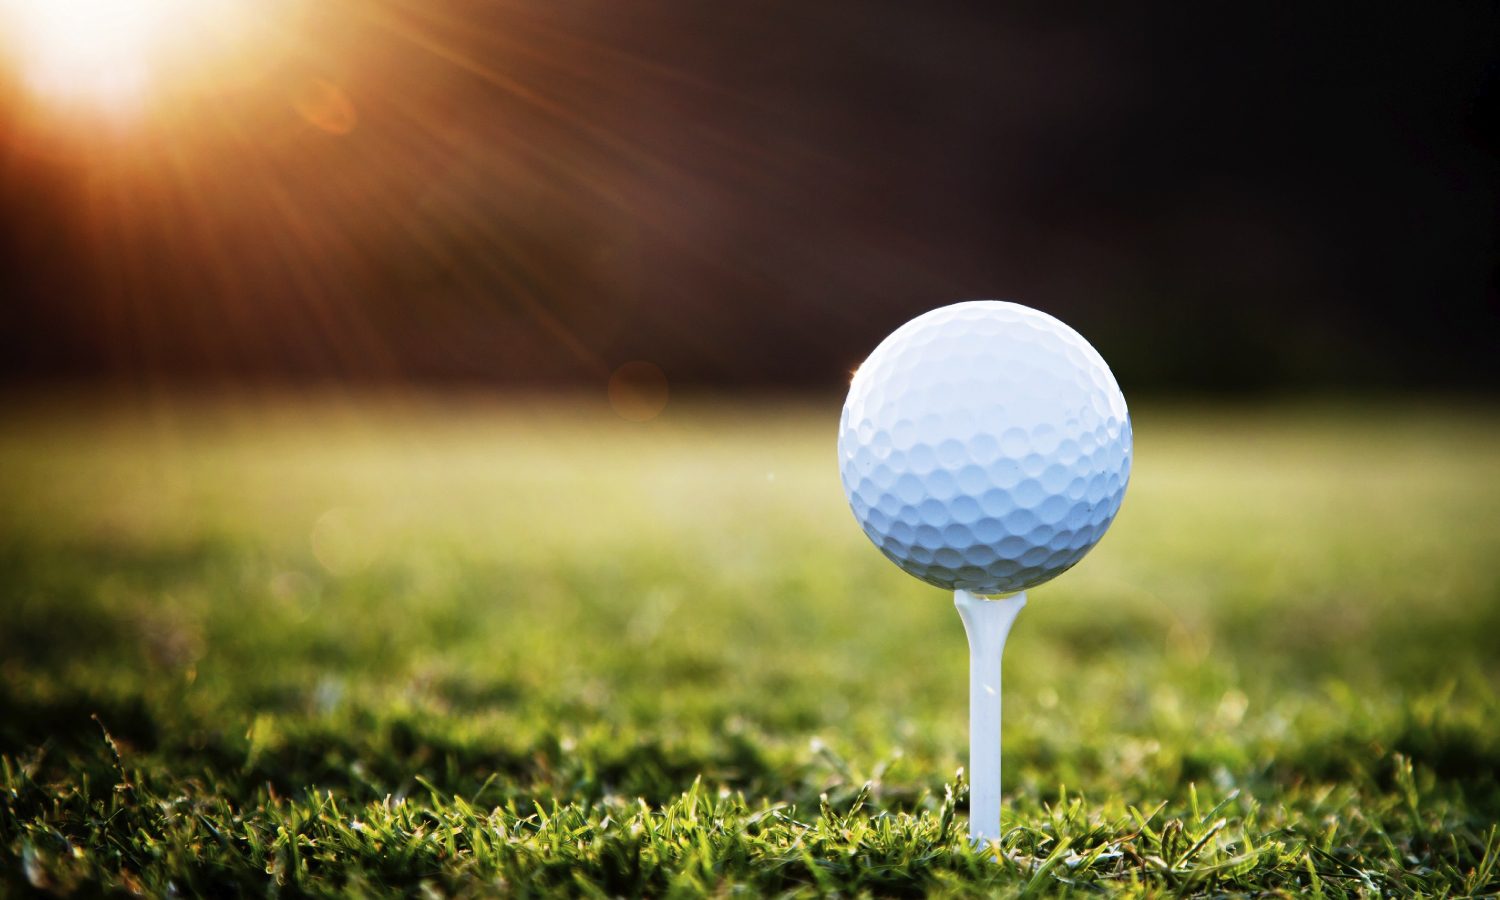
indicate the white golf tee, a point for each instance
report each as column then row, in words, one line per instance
column 987, row 623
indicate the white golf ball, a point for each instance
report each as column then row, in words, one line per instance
column 985, row 446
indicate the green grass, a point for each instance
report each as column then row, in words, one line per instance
column 428, row 646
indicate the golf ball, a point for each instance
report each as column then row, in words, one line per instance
column 985, row 446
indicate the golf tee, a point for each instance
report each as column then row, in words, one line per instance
column 987, row 623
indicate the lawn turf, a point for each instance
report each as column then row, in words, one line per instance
column 451, row 645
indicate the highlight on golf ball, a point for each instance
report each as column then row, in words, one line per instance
column 985, row 446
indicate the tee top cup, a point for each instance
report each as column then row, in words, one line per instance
column 985, row 448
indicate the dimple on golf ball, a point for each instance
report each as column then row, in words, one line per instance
column 985, row 446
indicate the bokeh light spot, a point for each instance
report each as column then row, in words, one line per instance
column 638, row 391
column 324, row 105
column 339, row 543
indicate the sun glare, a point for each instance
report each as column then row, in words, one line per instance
column 96, row 50
column 108, row 54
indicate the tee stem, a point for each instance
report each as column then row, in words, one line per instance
column 987, row 623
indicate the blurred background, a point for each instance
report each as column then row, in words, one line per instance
column 506, row 192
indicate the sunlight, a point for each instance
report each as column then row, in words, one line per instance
column 104, row 53
column 97, row 50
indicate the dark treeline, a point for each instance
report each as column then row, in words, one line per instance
column 1220, row 197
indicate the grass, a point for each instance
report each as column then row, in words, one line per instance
column 439, row 646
